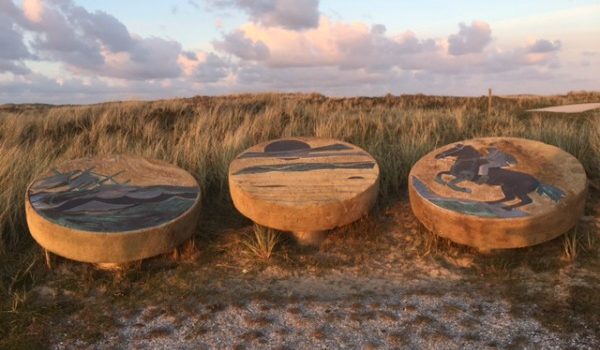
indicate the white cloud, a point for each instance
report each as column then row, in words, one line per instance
column 13, row 50
column 39, row 88
column 236, row 43
column 97, row 42
column 543, row 46
column 33, row 10
column 212, row 69
column 289, row 14
column 99, row 58
column 470, row 39
column 354, row 46
column 348, row 46
column 151, row 58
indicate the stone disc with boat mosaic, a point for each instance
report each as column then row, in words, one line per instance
column 121, row 207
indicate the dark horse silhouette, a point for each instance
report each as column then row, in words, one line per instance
column 514, row 184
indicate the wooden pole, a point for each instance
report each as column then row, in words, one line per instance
column 489, row 101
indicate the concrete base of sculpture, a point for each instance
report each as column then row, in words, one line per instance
column 114, row 266
column 304, row 185
column 112, row 210
column 310, row 238
column 493, row 193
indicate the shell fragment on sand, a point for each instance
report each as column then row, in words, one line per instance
column 112, row 209
column 498, row 192
column 304, row 184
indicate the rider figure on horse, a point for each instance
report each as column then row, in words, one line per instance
column 494, row 159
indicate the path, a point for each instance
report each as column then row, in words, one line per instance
column 576, row 108
column 389, row 289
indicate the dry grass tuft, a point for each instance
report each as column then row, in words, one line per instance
column 570, row 244
column 261, row 243
column 578, row 240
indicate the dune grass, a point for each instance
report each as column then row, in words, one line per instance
column 261, row 244
column 203, row 134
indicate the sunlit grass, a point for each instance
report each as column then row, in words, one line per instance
column 203, row 135
column 576, row 241
column 261, row 243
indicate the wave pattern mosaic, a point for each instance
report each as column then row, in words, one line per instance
column 88, row 200
column 110, row 196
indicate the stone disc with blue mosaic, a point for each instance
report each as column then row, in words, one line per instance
column 498, row 192
column 304, row 184
column 112, row 209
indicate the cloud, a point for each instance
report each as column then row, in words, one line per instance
column 543, row 46
column 8, row 8
column 470, row 39
column 11, row 40
column 151, row 58
column 202, row 67
column 348, row 46
column 56, row 39
column 13, row 48
column 488, row 62
column 96, row 42
column 98, row 58
column 542, row 53
column 39, row 88
column 212, row 69
column 288, row 14
column 33, row 10
column 194, row 4
column 13, row 67
column 354, row 46
column 257, row 77
column 372, row 52
column 99, row 25
column 236, row 43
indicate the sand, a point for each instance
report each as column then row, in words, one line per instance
column 376, row 293
column 576, row 108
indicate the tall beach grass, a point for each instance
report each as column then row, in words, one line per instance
column 203, row 134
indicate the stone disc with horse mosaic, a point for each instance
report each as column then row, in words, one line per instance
column 112, row 209
column 498, row 192
column 304, row 185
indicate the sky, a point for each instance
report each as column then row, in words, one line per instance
column 84, row 51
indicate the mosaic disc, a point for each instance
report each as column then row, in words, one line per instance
column 112, row 209
column 304, row 184
column 498, row 192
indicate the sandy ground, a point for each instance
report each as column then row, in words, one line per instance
column 577, row 108
column 379, row 293
column 329, row 314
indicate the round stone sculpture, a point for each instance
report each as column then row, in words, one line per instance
column 112, row 210
column 498, row 192
column 305, row 185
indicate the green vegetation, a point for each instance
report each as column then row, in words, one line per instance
column 203, row 134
